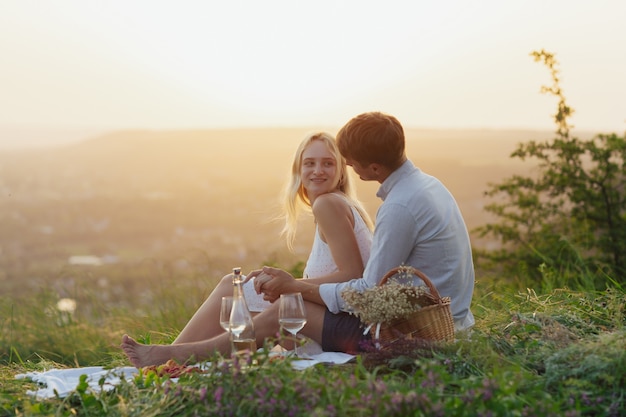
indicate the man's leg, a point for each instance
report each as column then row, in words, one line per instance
column 343, row 332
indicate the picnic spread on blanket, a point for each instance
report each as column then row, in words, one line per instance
column 63, row 382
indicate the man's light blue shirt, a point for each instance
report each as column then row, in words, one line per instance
column 419, row 224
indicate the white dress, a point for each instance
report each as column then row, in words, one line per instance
column 321, row 262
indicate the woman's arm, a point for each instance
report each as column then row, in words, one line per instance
column 335, row 222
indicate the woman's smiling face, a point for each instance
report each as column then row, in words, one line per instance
column 319, row 170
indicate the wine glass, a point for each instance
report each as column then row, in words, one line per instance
column 292, row 315
column 227, row 306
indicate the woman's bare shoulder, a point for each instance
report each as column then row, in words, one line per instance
column 331, row 203
column 328, row 200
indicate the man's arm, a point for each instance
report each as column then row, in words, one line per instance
column 394, row 239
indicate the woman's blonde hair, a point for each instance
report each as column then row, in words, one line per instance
column 295, row 198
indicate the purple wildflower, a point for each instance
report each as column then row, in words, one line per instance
column 202, row 393
column 217, row 395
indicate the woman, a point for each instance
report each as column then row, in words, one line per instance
column 319, row 183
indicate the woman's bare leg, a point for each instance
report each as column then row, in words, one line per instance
column 205, row 323
column 265, row 324
column 141, row 355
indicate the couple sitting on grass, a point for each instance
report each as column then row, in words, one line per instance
column 418, row 224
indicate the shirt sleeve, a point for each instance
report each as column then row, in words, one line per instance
column 395, row 235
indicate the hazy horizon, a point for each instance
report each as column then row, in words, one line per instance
column 21, row 137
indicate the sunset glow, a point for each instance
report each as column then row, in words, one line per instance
column 200, row 64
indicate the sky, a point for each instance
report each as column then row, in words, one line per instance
column 152, row 64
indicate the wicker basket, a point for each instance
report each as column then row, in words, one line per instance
column 432, row 322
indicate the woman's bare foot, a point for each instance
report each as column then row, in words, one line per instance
column 141, row 355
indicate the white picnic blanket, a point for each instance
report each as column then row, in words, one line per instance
column 65, row 381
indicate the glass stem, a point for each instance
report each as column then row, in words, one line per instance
column 295, row 344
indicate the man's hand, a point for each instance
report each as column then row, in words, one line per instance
column 273, row 282
column 277, row 282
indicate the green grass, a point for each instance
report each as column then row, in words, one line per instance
column 561, row 352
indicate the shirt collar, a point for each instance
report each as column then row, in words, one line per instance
column 393, row 179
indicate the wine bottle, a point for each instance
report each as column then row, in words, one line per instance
column 241, row 324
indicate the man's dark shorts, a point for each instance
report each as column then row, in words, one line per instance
column 342, row 332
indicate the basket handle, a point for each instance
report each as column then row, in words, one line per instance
column 415, row 271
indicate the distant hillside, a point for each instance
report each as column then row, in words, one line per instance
column 242, row 160
column 30, row 137
column 264, row 152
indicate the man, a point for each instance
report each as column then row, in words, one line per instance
column 418, row 224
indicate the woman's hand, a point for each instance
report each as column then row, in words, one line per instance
column 252, row 274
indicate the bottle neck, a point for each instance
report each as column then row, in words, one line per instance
column 237, row 283
column 237, row 288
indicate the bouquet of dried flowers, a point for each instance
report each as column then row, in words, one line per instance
column 385, row 303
